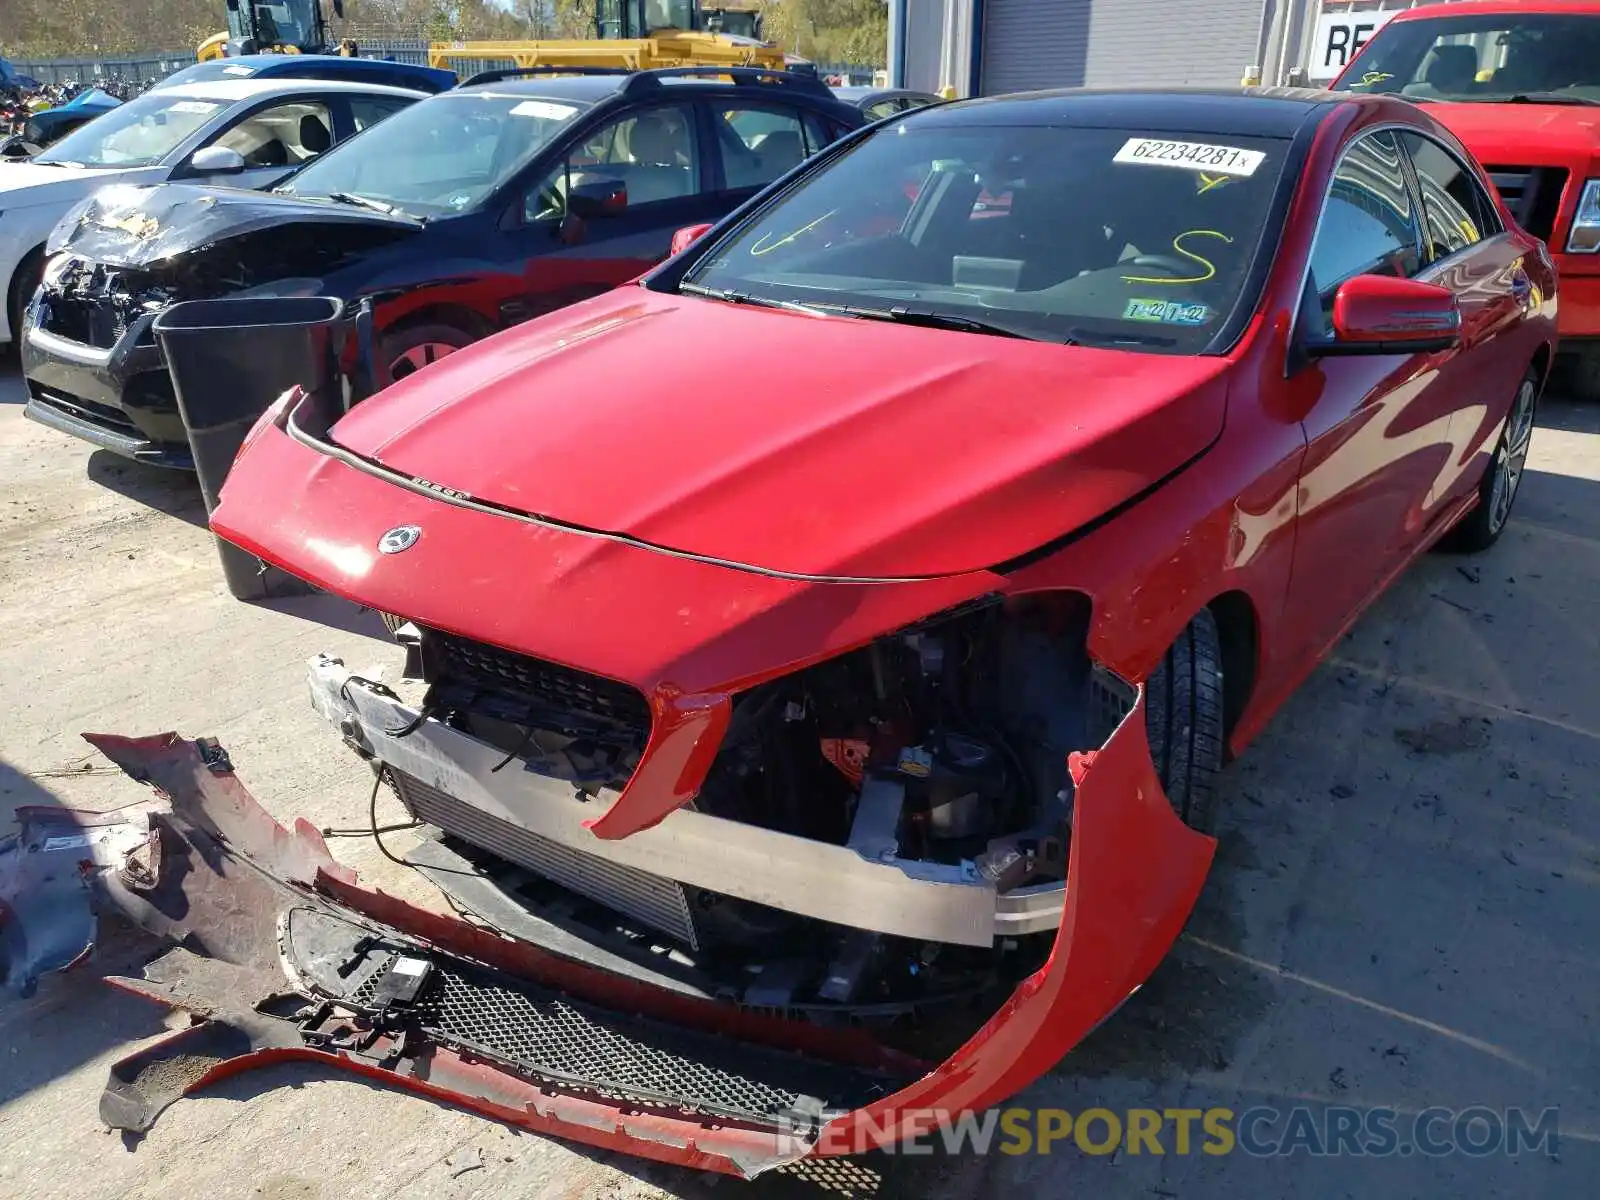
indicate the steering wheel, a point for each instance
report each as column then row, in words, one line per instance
column 1170, row 263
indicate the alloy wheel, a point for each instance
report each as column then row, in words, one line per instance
column 1512, row 455
column 417, row 357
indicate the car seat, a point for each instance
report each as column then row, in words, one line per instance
column 314, row 136
column 660, row 153
column 1453, row 70
column 780, row 152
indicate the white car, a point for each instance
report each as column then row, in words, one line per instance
column 243, row 132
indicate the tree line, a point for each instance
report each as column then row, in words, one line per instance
column 854, row 31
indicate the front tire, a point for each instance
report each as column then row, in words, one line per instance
column 23, row 284
column 1497, row 491
column 1184, row 721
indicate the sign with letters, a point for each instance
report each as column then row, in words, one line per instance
column 1339, row 38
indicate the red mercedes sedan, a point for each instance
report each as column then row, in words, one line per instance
column 845, row 625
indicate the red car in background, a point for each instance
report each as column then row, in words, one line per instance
column 898, row 683
column 1518, row 82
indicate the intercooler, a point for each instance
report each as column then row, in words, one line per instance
column 649, row 899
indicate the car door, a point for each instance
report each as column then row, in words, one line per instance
column 1468, row 251
column 275, row 138
column 1376, row 427
column 654, row 161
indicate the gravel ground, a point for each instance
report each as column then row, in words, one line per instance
column 1403, row 911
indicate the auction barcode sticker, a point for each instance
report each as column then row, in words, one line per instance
column 544, row 109
column 1190, row 156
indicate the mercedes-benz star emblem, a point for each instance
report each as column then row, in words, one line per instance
column 401, row 537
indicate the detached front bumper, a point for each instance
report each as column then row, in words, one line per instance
column 119, row 399
column 654, row 1072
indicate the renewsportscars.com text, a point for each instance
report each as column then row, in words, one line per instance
column 1260, row 1131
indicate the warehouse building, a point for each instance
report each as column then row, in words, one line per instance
column 979, row 47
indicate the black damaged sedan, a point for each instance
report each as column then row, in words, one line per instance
column 468, row 212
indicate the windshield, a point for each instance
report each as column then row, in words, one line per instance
column 279, row 23
column 439, row 156
column 1099, row 236
column 138, row 134
column 636, row 18
column 1494, row 57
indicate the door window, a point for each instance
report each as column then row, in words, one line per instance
column 653, row 154
column 758, row 144
column 369, row 110
column 1368, row 226
column 284, row 135
column 1458, row 212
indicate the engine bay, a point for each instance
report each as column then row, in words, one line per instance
column 942, row 746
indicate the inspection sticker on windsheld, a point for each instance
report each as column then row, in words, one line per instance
column 1262, row 1131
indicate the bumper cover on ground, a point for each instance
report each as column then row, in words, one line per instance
column 307, row 963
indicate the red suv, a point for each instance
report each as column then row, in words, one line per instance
column 1518, row 82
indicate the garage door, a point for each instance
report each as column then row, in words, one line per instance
column 1133, row 43
column 1117, row 43
column 1027, row 44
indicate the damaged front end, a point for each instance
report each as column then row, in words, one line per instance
column 123, row 256
column 626, row 1044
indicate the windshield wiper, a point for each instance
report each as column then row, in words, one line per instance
column 729, row 296
column 929, row 318
column 362, row 202
column 1551, row 98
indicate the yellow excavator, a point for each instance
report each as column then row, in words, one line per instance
column 636, row 35
column 273, row 27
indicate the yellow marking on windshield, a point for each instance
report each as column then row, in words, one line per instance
column 1372, row 77
column 1209, row 269
column 761, row 247
column 1207, row 182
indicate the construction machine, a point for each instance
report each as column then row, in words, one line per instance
column 272, row 27
column 634, row 35
column 734, row 18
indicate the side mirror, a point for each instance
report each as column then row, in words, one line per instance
column 216, row 160
column 598, row 198
column 688, row 236
column 1379, row 314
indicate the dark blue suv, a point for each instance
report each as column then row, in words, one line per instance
column 517, row 193
column 316, row 66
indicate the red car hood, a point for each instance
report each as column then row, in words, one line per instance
column 1524, row 134
column 814, row 446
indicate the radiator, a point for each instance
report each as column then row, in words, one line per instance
column 659, row 903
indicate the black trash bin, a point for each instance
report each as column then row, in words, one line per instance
column 229, row 360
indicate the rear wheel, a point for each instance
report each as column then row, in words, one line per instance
column 1497, row 491
column 409, row 348
column 1184, row 721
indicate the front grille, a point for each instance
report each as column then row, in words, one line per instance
column 87, row 322
column 548, row 690
column 622, row 1057
column 102, row 415
column 658, row 903
column 1533, row 194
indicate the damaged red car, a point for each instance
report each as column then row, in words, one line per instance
column 841, row 630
